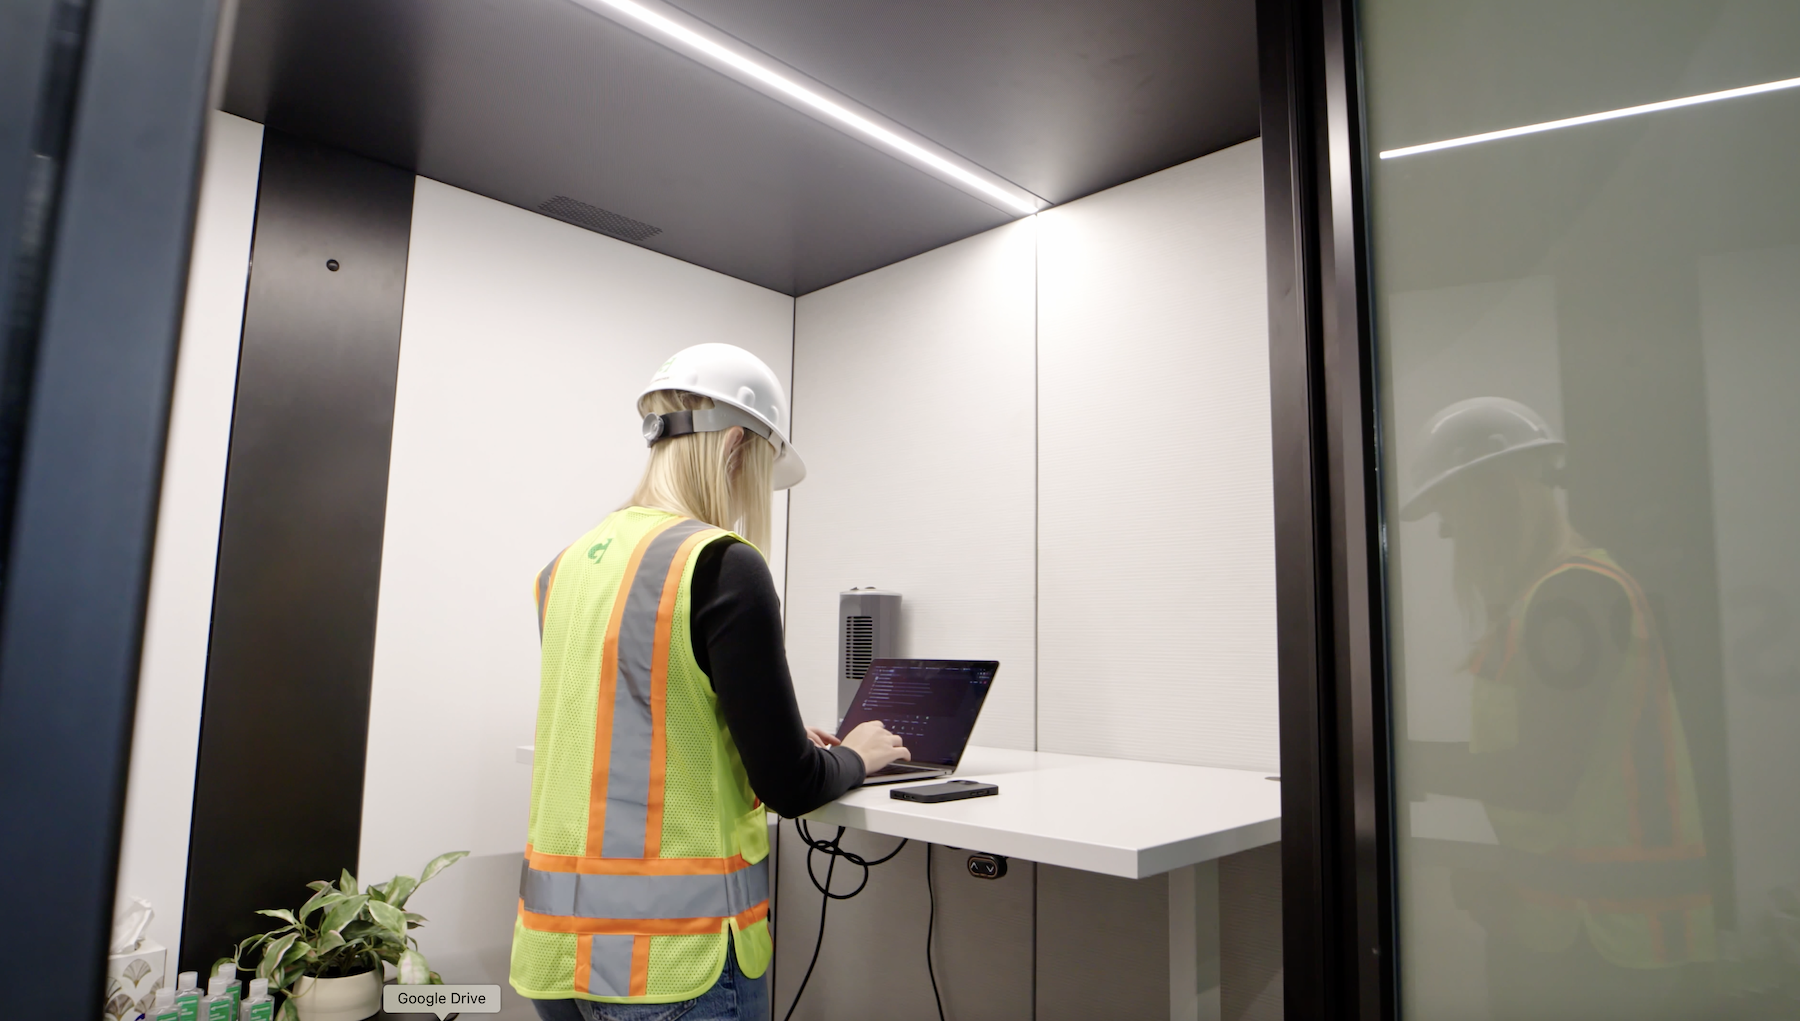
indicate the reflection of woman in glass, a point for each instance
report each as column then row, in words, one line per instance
column 1576, row 748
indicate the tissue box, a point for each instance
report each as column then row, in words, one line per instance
column 132, row 980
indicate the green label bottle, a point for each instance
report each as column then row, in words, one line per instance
column 187, row 996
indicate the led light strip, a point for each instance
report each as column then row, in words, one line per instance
column 1592, row 118
column 638, row 16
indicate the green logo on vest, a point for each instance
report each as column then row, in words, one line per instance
column 598, row 550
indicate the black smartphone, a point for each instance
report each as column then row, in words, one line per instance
column 949, row 790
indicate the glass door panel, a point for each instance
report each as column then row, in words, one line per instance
column 1588, row 336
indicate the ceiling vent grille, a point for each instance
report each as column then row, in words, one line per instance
column 603, row 221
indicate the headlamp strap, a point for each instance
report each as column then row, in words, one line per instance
column 658, row 427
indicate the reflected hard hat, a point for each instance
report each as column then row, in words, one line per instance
column 745, row 393
column 1468, row 433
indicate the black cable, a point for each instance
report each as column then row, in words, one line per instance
column 824, row 902
column 834, row 850
column 931, row 923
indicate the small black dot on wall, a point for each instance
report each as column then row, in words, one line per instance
column 332, row 265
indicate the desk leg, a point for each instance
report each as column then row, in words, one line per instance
column 1194, row 943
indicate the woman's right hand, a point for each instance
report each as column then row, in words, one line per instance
column 877, row 745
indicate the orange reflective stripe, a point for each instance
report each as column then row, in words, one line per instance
column 659, row 689
column 597, row 866
column 1665, row 710
column 640, row 966
column 1598, row 855
column 584, row 963
column 1635, row 906
column 603, row 709
column 638, row 926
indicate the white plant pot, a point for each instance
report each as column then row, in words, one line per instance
column 351, row 998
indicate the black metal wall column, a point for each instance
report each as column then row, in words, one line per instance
column 1336, row 843
column 284, row 731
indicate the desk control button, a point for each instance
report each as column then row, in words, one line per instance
column 987, row 866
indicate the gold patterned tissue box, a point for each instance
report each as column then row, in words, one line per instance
column 132, row 980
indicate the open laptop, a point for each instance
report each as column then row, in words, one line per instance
column 931, row 703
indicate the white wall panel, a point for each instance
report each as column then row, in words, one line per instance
column 1155, row 534
column 914, row 409
column 524, row 345
column 172, row 673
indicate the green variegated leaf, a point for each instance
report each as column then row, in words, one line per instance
column 387, row 916
column 298, row 953
column 413, row 921
column 288, row 1012
column 400, row 888
column 251, row 943
column 343, row 912
column 319, row 884
column 282, row 913
column 347, row 882
column 439, row 864
column 329, row 942
column 414, row 971
column 436, row 979
column 362, row 928
column 323, row 899
column 273, row 953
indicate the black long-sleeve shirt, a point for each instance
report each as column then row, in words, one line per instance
column 737, row 640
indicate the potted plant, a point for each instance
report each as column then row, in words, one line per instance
column 326, row 961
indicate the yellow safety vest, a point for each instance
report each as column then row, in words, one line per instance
column 647, row 847
column 1626, row 860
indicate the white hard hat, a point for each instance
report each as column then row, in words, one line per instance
column 745, row 392
column 1472, row 432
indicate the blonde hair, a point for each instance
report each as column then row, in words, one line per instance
column 1508, row 530
column 704, row 476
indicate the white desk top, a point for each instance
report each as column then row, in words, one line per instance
column 1116, row 816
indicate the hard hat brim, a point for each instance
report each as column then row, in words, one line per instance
column 789, row 471
column 1422, row 503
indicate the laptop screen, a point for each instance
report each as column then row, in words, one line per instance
column 931, row 703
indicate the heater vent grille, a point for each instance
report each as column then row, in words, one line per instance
column 859, row 646
column 603, row 221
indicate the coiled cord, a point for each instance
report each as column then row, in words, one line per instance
column 834, row 850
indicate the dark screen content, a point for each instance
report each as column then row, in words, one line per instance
column 932, row 705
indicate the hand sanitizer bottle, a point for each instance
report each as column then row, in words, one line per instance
column 260, row 1006
column 228, row 971
column 217, row 1005
column 187, row 996
column 163, row 1009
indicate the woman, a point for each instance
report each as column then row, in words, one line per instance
column 667, row 722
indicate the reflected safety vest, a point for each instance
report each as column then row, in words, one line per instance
column 1625, row 859
column 647, row 848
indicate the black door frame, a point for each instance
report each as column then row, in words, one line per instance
column 1337, row 805
column 98, row 322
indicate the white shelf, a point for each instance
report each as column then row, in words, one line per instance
column 1120, row 817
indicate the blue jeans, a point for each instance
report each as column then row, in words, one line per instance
column 732, row 998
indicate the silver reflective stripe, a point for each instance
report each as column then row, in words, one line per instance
column 543, row 592
column 609, row 965
column 628, row 770
column 746, row 888
column 572, row 894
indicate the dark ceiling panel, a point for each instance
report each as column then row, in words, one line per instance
column 1062, row 97
column 529, row 101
